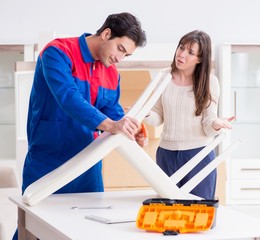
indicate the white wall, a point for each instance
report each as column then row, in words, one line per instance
column 165, row 21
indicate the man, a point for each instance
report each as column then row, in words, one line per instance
column 75, row 95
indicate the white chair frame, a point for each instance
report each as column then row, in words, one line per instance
column 164, row 186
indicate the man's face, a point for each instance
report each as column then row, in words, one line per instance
column 112, row 51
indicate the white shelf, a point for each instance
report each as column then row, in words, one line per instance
column 9, row 55
column 240, row 96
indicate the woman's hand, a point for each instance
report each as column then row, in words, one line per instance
column 223, row 123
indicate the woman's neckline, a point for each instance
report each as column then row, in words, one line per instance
column 181, row 84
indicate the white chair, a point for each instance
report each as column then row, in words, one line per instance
column 106, row 142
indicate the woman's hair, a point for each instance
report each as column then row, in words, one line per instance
column 124, row 24
column 201, row 75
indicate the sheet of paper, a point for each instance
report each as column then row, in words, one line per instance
column 111, row 216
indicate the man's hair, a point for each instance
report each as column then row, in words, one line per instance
column 124, row 24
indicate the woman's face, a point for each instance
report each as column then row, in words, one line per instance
column 186, row 57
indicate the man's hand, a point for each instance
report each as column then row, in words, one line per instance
column 141, row 136
column 127, row 126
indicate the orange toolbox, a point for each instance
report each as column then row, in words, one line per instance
column 171, row 217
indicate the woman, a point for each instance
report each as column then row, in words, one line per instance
column 188, row 109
